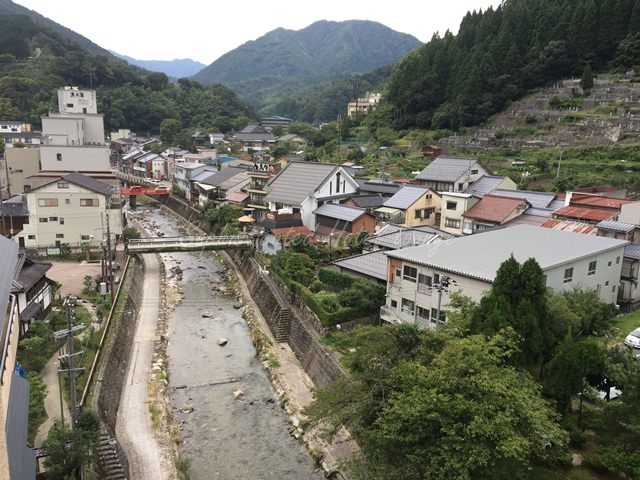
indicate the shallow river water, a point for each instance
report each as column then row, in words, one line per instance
column 232, row 424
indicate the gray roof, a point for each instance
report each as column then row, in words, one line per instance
column 446, row 169
column 297, row 181
column 89, row 183
column 29, row 273
column 406, row 196
column 402, row 238
column 632, row 251
column 536, row 199
column 378, row 186
column 340, row 212
column 484, row 185
column 368, row 201
column 14, row 207
column 218, row 178
column 480, row 255
column 617, row 226
column 372, row 264
column 8, row 262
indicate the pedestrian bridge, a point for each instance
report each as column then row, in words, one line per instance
column 187, row 244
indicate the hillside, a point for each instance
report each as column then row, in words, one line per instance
column 174, row 69
column 283, row 62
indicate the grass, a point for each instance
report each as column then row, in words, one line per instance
column 625, row 324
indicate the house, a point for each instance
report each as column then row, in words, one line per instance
column 14, row 215
column 20, row 164
column 33, row 291
column 451, row 174
column 489, row 183
column 215, row 187
column 629, row 291
column 492, row 211
column 454, row 206
column 186, row 173
column 150, row 165
column 411, row 206
column 260, row 174
column 619, row 230
column 367, row 201
column 298, row 142
column 73, row 139
column 372, row 262
column 300, row 188
column 469, row 265
column 255, row 137
column 363, row 105
column 340, row 220
column 72, row 209
column 15, row 131
column 269, row 123
column 383, row 186
column 17, row 460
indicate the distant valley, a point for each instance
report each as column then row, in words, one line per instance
column 174, row 69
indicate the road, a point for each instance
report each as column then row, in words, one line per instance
column 134, row 430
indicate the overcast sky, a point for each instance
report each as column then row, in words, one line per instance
column 205, row 30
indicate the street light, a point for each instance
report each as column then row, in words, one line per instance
column 330, row 238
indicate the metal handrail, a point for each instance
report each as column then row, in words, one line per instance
column 189, row 239
column 6, row 332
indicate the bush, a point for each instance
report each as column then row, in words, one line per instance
column 316, row 286
column 335, row 280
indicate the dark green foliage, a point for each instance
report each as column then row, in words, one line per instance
column 457, row 81
column 586, row 81
column 335, row 280
column 37, row 412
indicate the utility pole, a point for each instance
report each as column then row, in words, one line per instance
column 69, row 304
column 442, row 286
column 110, row 268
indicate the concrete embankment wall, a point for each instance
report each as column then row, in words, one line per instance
column 116, row 359
column 289, row 319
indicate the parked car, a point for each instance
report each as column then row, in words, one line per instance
column 633, row 339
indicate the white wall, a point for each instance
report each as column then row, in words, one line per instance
column 76, row 100
column 81, row 159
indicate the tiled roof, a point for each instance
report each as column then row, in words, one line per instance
column 493, row 208
column 372, row 264
column 617, row 226
column 585, row 213
column 536, row 199
column 446, row 169
column 8, row 262
column 29, row 274
column 90, row 183
column 368, row 201
column 339, row 212
column 484, row 185
column 405, row 197
column 290, row 232
column 237, row 197
column 378, row 186
column 11, row 208
column 549, row 247
column 571, row 226
column 297, row 181
column 401, row 238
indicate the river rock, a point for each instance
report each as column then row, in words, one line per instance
column 222, row 342
column 237, row 394
column 206, row 315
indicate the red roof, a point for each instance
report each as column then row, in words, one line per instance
column 494, row 208
column 571, row 226
column 585, row 213
column 291, row 232
column 237, row 197
column 597, row 201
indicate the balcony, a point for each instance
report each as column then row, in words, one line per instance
column 388, row 314
column 282, row 220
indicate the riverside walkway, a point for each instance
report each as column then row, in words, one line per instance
column 187, row 243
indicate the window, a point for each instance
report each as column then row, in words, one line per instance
column 410, row 273
column 69, row 105
column 617, row 260
column 59, row 235
column 434, row 316
column 53, row 219
column 436, row 278
column 31, row 237
column 423, row 314
column 452, row 205
column 452, row 222
column 613, row 289
column 67, row 201
column 89, row 202
column 417, row 213
column 59, row 157
column 424, row 283
column 47, row 202
column 408, row 306
column 63, row 184
column 460, row 187
column 394, row 304
column 61, row 221
column 609, row 264
column 43, row 219
column 85, row 237
column 568, row 275
column 474, row 171
column 592, row 268
column 606, row 284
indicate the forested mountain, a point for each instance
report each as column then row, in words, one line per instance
column 174, row 69
column 284, row 63
column 498, row 55
column 35, row 61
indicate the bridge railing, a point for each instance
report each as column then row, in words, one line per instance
column 222, row 239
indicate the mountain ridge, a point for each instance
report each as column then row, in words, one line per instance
column 176, row 68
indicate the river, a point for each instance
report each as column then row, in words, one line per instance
column 232, row 425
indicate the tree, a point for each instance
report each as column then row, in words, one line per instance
column 440, row 410
column 586, row 81
column 170, row 130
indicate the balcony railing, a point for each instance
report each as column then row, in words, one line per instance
column 282, row 220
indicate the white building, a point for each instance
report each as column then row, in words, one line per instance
column 569, row 260
column 73, row 209
column 73, row 139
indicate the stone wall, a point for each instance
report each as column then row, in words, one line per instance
column 116, row 359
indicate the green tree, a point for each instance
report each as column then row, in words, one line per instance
column 170, row 131
column 586, row 80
